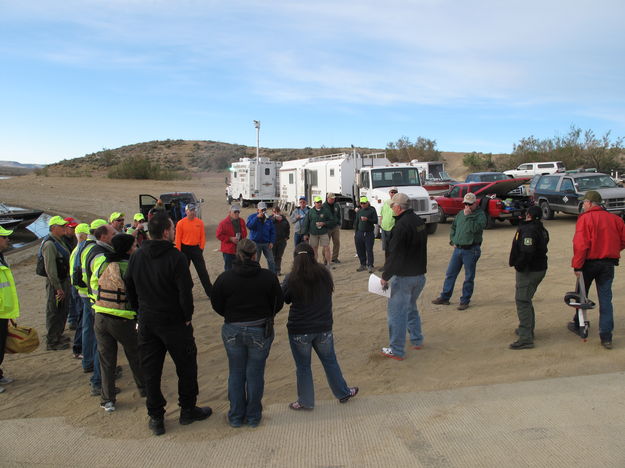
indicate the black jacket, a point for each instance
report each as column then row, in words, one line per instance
column 312, row 317
column 529, row 247
column 372, row 219
column 246, row 293
column 408, row 253
column 282, row 228
column 158, row 283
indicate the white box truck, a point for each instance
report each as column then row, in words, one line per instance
column 350, row 176
column 253, row 180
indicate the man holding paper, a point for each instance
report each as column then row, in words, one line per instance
column 404, row 272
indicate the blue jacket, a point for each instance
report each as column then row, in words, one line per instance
column 261, row 232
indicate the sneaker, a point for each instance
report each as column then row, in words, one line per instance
column 607, row 344
column 388, row 352
column 297, row 406
column 109, row 406
column 463, row 306
column 77, row 356
column 5, row 380
column 440, row 301
column 187, row 416
column 353, row 391
column 521, row 345
column 57, row 346
column 337, row 261
column 371, row 269
column 361, row 268
column 157, row 425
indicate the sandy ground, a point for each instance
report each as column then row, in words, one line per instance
column 462, row 348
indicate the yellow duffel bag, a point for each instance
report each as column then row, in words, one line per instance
column 21, row 339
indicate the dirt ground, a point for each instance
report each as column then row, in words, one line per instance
column 462, row 348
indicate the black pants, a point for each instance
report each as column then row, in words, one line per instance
column 4, row 331
column 110, row 330
column 364, row 247
column 278, row 252
column 176, row 339
column 194, row 254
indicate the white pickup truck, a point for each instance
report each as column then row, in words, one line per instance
column 536, row 168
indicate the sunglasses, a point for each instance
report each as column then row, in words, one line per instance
column 318, row 201
column 468, row 204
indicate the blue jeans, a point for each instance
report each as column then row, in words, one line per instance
column 323, row 344
column 264, row 248
column 74, row 311
column 77, row 319
column 459, row 258
column 403, row 313
column 89, row 344
column 364, row 247
column 602, row 273
column 247, row 351
column 228, row 259
column 297, row 238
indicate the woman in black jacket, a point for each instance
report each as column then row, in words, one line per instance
column 308, row 288
column 248, row 297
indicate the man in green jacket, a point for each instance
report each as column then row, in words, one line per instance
column 466, row 238
column 316, row 226
column 9, row 305
column 55, row 255
column 366, row 219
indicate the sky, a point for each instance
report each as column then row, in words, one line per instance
column 82, row 75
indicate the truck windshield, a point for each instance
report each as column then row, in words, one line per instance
column 395, row 176
column 594, row 182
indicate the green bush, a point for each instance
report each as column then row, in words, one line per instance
column 140, row 167
column 477, row 162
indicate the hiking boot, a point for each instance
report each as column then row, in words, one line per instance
column 5, row 380
column 607, row 344
column 353, row 391
column 440, row 301
column 57, row 346
column 336, row 260
column 388, row 352
column 187, row 416
column 521, row 345
column 157, row 425
column 463, row 306
column 361, row 268
column 371, row 269
column 109, row 406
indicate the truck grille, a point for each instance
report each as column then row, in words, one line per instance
column 419, row 205
column 614, row 204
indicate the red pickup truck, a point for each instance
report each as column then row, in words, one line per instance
column 501, row 200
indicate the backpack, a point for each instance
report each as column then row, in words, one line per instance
column 111, row 288
column 62, row 262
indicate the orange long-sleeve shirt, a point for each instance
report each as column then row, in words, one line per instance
column 190, row 233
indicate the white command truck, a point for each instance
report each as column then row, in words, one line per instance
column 350, row 176
column 253, row 181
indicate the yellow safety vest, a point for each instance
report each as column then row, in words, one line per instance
column 9, row 305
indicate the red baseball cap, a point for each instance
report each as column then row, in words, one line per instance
column 71, row 222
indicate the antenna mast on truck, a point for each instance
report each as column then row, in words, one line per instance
column 257, row 175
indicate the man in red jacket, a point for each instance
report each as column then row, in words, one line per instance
column 597, row 244
column 230, row 231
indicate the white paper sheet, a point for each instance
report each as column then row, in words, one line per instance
column 375, row 286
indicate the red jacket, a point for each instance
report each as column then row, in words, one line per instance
column 225, row 231
column 598, row 234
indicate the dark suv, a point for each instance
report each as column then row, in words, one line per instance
column 564, row 192
column 173, row 202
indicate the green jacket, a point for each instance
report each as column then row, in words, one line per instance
column 467, row 229
column 335, row 209
column 324, row 215
column 50, row 253
column 388, row 220
column 372, row 219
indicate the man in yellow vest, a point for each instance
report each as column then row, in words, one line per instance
column 115, row 322
column 82, row 232
column 9, row 306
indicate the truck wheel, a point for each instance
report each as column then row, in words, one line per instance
column 490, row 222
column 547, row 211
column 441, row 215
column 229, row 199
column 431, row 228
column 242, row 202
